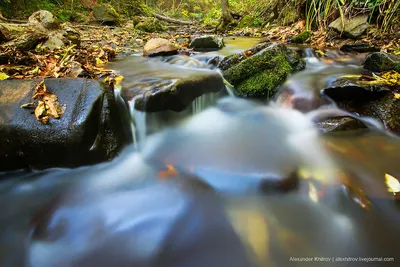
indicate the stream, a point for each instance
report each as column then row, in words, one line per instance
column 226, row 182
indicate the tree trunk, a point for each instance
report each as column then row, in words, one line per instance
column 226, row 18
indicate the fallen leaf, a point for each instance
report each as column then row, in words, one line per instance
column 99, row 62
column 3, row 76
column 320, row 53
column 40, row 112
column 28, row 105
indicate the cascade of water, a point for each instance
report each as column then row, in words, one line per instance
column 203, row 101
column 139, row 128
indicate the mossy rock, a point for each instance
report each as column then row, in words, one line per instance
column 381, row 61
column 106, row 14
column 301, row 38
column 148, row 25
column 261, row 74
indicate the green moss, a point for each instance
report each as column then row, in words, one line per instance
column 265, row 83
column 290, row 17
column 149, row 25
column 252, row 65
column 301, row 37
column 260, row 74
column 250, row 21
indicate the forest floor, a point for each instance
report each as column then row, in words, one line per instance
column 99, row 44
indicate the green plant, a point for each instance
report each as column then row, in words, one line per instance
column 318, row 12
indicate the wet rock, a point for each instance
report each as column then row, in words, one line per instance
column 301, row 38
column 359, row 48
column 231, row 60
column 340, row 124
column 207, row 43
column 381, row 61
column 159, row 47
column 353, row 28
column 106, row 14
column 147, row 24
column 45, row 20
column 373, row 101
column 351, row 88
column 179, row 93
column 89, row 131
column 260, row 74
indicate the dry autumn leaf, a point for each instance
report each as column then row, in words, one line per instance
column 48, row 105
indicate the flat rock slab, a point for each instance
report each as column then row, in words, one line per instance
column 353, row 27
column 152, row 85
column 89, row 131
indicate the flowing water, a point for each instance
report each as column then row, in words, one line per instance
column 226, row 182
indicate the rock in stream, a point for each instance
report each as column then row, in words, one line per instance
column 89, row 131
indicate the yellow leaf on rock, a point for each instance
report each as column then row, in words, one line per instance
column 396, row 96
column 392, row 183
column 3, row 76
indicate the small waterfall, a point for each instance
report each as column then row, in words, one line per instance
column 203, row 101
column 139, row 128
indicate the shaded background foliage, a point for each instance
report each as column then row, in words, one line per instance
column 253, row 13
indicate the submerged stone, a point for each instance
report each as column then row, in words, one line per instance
column 207, row 43
column 159, row 47
column 88, row 132
column 260, row 74
column 381, row 61
column 353, row 28
column 340, row 124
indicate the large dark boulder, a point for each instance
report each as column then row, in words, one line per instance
column 152, row 85
column 90, row 130
column 259, row 75
column 177, row 94
column 381, row 61
column 207, row 43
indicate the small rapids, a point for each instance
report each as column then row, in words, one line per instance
column 226, row 182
